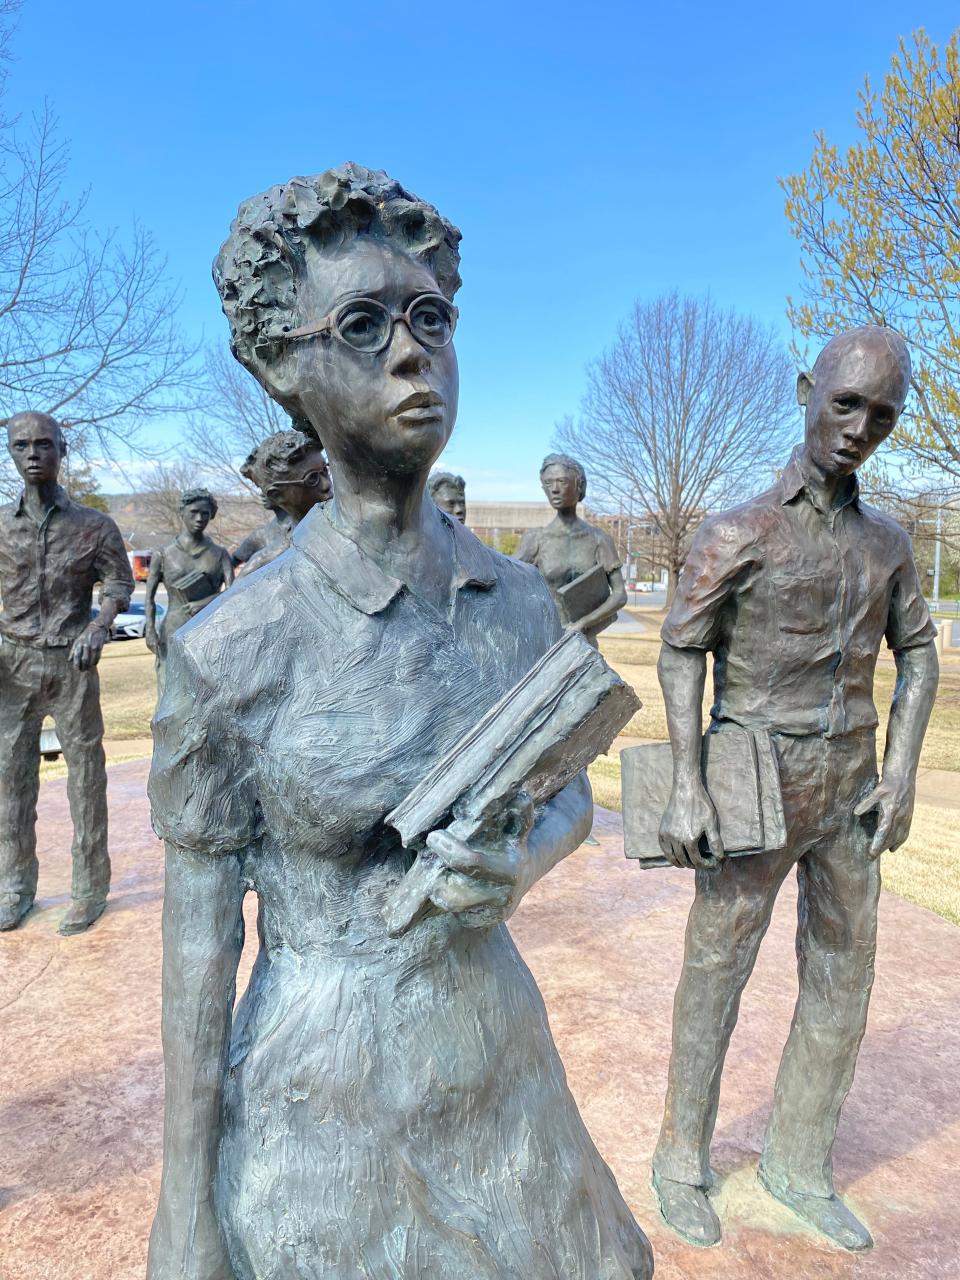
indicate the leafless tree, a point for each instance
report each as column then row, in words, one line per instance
column 88, row 327
column 235, row 416
column 691, row 408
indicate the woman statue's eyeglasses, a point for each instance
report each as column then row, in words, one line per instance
column 367, row 325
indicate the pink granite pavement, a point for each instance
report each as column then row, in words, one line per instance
column 81, row 1083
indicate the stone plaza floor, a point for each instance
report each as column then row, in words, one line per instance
column 81, row 1072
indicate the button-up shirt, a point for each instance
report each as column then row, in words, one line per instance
column 794, row 602
column 48, row 570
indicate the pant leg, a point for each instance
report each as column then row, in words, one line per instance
column 21, row 718
column 76, row 711
column 729, row 917
column 836, row 946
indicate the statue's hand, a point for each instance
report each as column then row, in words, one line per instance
column 690, row 822
column 479, row 880
column 88, row 646
column 150, row 638
column 892, row 798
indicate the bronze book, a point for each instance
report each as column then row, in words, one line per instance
column 742, row 779
column 584, row 594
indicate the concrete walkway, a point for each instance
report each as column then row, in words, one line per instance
column 81, row 1074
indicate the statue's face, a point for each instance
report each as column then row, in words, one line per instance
column 35, row 447
column 392, row 411
column 452, row 500
column 561, row 487
column 308, row 486
column 853, row 406
column 196, row 516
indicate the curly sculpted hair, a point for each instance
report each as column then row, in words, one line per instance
column 261, row 264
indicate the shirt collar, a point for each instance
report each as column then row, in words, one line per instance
column 61, row 500
column 358, row 578
column 794, row 482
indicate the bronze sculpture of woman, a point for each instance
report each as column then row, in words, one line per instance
column 376, row 1106
column 579, row 561
column 291, row 472
column 193, row 568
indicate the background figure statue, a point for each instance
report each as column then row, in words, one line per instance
column 262, row 536
column 793, row 593
column 579, row 561
column 449, row 492
column 376, row 1105
column 291, row 472
column 192, row 568
column 52, row 553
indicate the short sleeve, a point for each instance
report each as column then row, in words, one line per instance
column 202, row 786
column 608, row 558
column 529, row 549
column 717, row 559
column 113, row 567
column 909, row 624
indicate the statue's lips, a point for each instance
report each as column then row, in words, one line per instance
column 422, row 406
column 847, row 455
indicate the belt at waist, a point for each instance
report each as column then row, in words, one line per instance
column 37, row 642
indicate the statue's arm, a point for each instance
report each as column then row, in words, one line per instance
column 154, row 578
column 690, row 816
column 202, row 941
column 228, row 570
column 607, row 611
column 893, row 798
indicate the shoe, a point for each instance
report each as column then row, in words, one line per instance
column 13, row 910
column 826, row 1214
column 687, row 1211
column 80, row 916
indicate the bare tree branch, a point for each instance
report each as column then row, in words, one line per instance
column 687, row 411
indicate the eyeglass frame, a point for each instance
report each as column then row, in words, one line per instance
column 328, row 328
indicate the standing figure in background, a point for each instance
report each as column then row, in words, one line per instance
column 579, row 561
column 291, row 472
column 449, row 493
column 52, row 553
column 193, row 568
column 793, row 593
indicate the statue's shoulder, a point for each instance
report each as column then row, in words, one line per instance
column 238, row 632
column 885, row 527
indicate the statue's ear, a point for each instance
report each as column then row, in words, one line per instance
column 804, row 387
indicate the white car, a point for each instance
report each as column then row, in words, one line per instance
column 132, row 623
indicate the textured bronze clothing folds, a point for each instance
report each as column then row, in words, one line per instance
column 793, row 602
column 393, row 1106
column 48, row 571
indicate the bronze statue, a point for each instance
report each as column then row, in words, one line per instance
column 291, row 472
column 383, row 1102
column 579, row 561
column 793, row 593
column 52, row 553
column 449, row 492
column 193, row 568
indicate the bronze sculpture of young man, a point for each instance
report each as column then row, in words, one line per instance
column 52, row 553
column 579, row 561
column 793, row 593
column 449, row 492
column 194, row 570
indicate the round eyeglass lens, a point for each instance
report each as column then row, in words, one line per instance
column 431, row 321
column 364, row 324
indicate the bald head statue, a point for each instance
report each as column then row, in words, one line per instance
column 853, row 397
column 37, row 445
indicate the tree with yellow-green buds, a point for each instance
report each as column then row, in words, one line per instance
column 879, row 228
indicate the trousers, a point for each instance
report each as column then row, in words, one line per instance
column 34, row 683
column 839, row 889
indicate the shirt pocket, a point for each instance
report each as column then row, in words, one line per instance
column 804, row 603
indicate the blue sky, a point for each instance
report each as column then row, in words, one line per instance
column 590, row 154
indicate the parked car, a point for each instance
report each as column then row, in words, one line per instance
column 132, row 624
